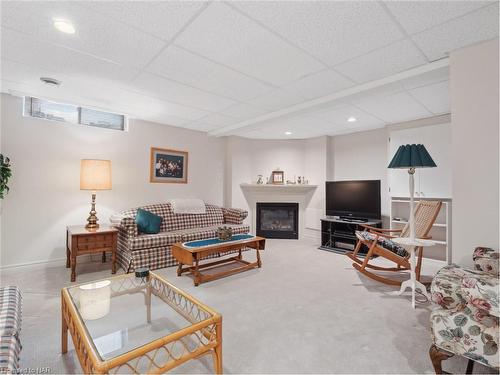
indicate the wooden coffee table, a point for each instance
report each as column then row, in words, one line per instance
column 191, row 253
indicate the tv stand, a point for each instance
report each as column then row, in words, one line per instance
column 350, row 219
column 338, row 235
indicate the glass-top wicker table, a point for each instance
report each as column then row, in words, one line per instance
column 127, row 324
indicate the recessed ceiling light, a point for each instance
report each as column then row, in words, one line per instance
column 288, row 133
column 351, row 119
column 64, row 26
column 50, row 81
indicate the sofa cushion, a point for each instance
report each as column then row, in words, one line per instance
column 487, row 260
column 454, row 287
column 147, row 222
column 446, row 289
column 467, row 332
column 144, row 241
column 383, row 242
column 10, row 310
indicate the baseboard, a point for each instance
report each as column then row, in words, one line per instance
column 53, row 262
column 313, row 234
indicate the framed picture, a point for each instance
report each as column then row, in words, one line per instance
column 168, row 166
column 278, row 177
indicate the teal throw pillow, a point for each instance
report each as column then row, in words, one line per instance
column 147, row 222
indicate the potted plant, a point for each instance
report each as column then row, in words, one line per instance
column 5, row 174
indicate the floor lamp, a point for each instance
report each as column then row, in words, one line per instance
column 411, row 157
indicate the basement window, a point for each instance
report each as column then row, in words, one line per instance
column 48, row 110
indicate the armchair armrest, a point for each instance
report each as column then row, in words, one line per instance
column 234, row 215
column 487, row 260
column 128, row 227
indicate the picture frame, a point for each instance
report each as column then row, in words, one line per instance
column 168, row 166
column 277, row 177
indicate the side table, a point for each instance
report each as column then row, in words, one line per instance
column 80, row 241
column 410, row 245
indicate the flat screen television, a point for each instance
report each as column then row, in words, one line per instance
column 353, row 199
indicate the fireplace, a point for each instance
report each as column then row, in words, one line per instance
column 278, row 220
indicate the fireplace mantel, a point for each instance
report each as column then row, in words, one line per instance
column 301, row 194
column 286, row 189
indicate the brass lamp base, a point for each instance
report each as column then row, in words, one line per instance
column 92, row 219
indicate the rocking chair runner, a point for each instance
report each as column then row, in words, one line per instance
column 379, row 243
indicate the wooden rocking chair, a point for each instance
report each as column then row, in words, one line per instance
column 378, row 242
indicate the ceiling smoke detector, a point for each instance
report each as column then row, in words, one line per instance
column 50, row 81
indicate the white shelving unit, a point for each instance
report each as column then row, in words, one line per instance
column 440, row 232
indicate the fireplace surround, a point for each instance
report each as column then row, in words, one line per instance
column 278, row 220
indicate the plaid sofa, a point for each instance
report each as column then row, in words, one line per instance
column 154, row 250
column 10, row 327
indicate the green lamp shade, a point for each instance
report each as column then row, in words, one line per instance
column 412, row 156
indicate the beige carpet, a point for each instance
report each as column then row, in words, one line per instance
column 305, row 311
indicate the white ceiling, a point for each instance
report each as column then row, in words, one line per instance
column 220, row 66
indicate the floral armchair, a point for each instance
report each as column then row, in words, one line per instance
column 465, row 322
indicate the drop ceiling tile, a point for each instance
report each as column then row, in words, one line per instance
column 393, row 108
column 333, row 31
column 243, row 111
column 383, row 62
column 143, row 104
column 219, row 120
column 338, row 116
column 436, row 76
column 276, row 99
column 319, row 84
column 96, row 34
column 20, row 48
column 172, row 91
column 163, row 19
column 162, row 118
column 416, row 16
column 183, row 66
column 200, row 126
column 461, row 32
column 435, row 97
column 226, row 36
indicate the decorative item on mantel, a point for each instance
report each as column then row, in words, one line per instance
column 278, row 177
column 224, row 233
column 259, row 180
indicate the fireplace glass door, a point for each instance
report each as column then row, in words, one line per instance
column 278, row 220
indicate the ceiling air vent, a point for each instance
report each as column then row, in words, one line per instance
column 50, row 81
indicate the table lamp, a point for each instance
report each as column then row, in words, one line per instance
column 411, row 157
column 94, row 175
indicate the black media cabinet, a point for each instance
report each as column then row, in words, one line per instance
column 339, row 236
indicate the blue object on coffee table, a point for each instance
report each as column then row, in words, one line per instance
column 216, row 241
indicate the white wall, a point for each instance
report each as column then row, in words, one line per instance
column 362, row 156
column 475, row 122
column 45, row 195
column 247, row 158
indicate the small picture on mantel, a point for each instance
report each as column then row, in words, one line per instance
column 277, row 177
column 168, row 166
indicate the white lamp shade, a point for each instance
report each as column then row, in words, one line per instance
column 95, row 174
column 95, row 300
